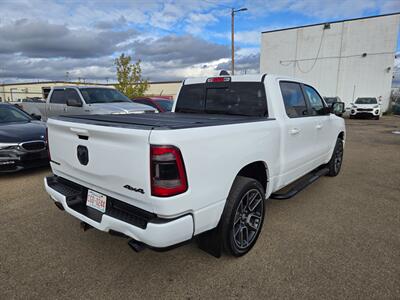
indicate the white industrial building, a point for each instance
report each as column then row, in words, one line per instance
column 350, row 58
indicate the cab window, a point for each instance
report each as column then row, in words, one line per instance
column 316, row 102
column 72, row 94
column 293, row 99
column 58, row 97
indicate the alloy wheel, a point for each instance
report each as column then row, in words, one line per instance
column 248, row 219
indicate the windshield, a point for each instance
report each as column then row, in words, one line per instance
column 9, row 114
column 165, row 104
column 231, row 98
column 102, row 95
column 366, row 101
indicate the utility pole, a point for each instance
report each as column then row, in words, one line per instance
column 233, row 11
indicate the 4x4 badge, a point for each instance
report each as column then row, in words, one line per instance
column 127, row 186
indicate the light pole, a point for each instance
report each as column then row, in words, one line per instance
column 233, row 11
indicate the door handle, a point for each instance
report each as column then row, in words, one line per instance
column 319, row 126
column 294, row 131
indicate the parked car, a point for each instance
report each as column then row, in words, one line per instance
column 161, row 104
column 22, row 140
column 213, row 161
column 331, row 100
column 365, row 106
column 396, row 107
column 83, row 100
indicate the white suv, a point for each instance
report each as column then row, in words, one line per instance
column 366, row 107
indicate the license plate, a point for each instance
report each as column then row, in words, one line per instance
column 96, row 200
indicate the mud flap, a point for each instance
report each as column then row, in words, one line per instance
column 210, row 242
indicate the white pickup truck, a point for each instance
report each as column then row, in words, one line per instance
column 203, row 170
column 82, row 100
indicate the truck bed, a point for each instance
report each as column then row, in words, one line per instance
column 161, row 121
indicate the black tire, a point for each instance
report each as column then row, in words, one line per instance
column 336, row 160
column 377, row 117
column 243, row 212
column 351, row 117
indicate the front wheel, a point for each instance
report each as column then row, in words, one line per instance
column 243, row 216
column 335, row 164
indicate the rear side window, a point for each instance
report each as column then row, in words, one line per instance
column 315, row 100
column 58, row 97
column 293, row 99
column 233, row 98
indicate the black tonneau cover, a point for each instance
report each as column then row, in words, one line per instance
column 161, row 121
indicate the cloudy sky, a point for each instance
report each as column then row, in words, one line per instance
column 42, row 40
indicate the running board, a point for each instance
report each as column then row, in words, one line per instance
column 308, row 179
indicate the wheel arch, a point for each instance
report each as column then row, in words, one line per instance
column 341, row 135
column 257, row 170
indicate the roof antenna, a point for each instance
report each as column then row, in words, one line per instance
column 223, row 72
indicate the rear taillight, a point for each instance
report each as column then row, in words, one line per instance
column 47, row 143
column 168, row 175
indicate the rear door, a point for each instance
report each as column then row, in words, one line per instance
column 298, row 148
column 58, row 103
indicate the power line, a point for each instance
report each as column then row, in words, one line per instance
column 316, row 58
column 288, row 62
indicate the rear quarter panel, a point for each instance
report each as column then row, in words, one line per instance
column 213, row 156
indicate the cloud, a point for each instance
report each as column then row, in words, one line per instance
column 243, row 64
column 314, row 8
column 55, row 69
column 165, row 58
column 41, row 39
column 47, row 38
column 179, row 50
column 112, row 24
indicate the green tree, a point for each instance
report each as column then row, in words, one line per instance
column 129, row 76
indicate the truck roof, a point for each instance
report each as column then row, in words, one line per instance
column 241, row 78
column 82, row 87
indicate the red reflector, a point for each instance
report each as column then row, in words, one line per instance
column 168, row 175
column 219, row 79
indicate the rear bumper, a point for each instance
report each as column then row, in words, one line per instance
column 133, row 222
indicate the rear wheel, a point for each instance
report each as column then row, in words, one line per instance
column 335, row 163
column 377, row 117
column 243, row 216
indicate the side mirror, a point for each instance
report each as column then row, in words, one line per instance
column 337, row 108
column 36, row 117
column 74, row 102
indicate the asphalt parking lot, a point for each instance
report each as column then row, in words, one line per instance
column 339, row 238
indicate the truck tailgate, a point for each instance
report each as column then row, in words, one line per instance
column 118, row 159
